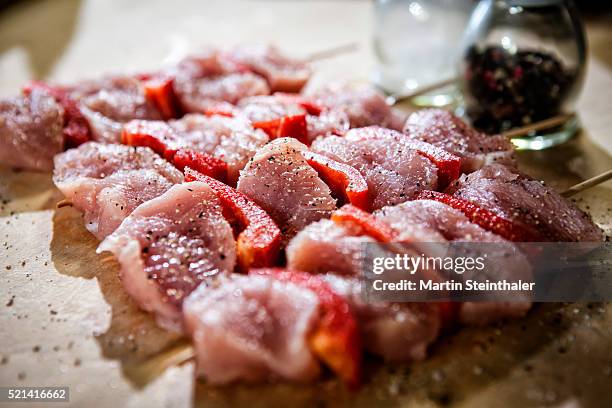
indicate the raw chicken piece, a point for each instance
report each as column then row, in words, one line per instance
column 268, row 107
column 208, row 79
column 363, row 105
column 282, row 73
column 445, row 130
column 232, row 140
column 209, row 62
column 429, row 221
column 279, row 179
column 170, row 245
column 252, row 328
column 394, row 331
column 120, row 98
column 106, row 182
column 393, row 170
column 110, row 102
column 514, row 196
column 201, row 94
column 338, row 249
column 30, row 131
column 103, row 129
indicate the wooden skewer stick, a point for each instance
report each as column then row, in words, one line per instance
column 176, row 356
column 183, row 354
column 543, row 124
column 332, row 52
column 152, row 368
column 593, row 181
column 107, row 259
column 64, row 203
column 179, row 355
column 398, row 98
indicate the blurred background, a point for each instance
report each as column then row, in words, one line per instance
column 404, row 46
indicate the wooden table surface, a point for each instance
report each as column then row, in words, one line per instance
column 65, row 319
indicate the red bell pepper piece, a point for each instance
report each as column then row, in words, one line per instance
column 366, row 222
column 201, row 162
column 449, row 165
column 294, row 126
column 271, row 127
column 309, row 106
column 159, row 91
column 76, row 128
column 288, row 126
column 345, row 181
column 484, row 218
column 157, row 135
column 335, row 339
column 162, row 139
column 258, row 244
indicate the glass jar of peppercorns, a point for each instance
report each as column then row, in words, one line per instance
column 523, row 63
